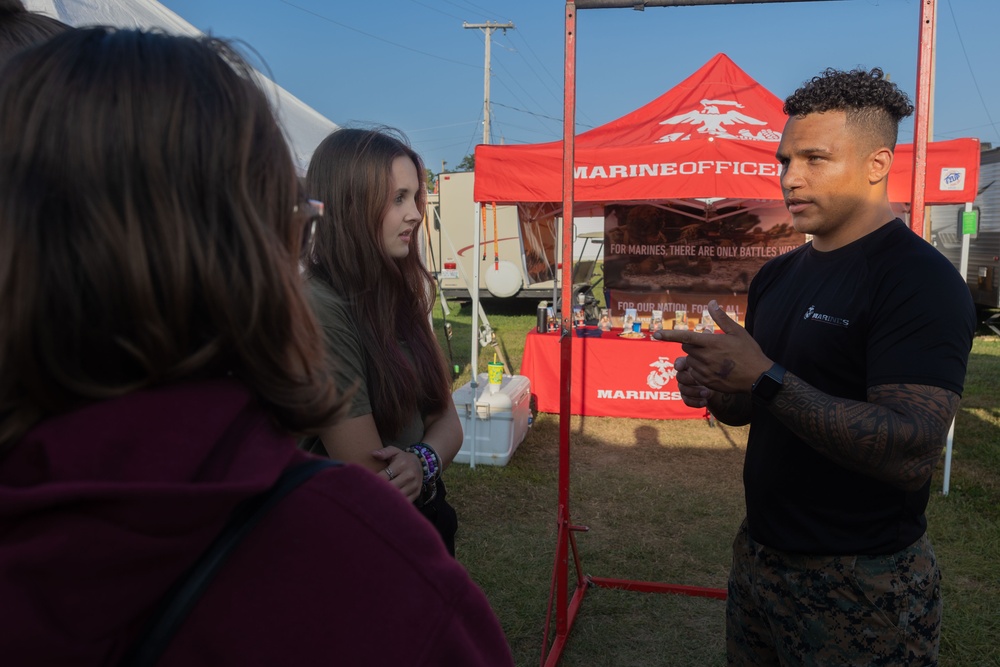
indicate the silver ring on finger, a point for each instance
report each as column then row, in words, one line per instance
column 390, row 473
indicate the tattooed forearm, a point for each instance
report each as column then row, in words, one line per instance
column 896, row 435
column 732, row 409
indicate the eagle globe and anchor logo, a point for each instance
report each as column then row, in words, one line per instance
column 714, row 119
column 663, row 372
column 714, row 122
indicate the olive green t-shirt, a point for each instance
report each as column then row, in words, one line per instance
column 343, row 342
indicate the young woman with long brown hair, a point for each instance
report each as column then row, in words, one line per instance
column 373, row 297
column 157, row 354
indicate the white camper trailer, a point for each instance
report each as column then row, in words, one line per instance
column 982, row 261
column 519, row 251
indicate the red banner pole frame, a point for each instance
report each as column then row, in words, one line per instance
column 921, row 119
column 565, row 611
column 563, row 622
column 565, row 341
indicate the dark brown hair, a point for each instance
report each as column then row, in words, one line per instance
column 390, row 299
column 148, row 235
column 870, row 101
column 20, row 28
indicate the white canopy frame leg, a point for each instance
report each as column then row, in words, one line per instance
column 474, row 292
column 949, row 444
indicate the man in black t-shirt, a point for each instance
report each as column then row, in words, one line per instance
column 849, row 372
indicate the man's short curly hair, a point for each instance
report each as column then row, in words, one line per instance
column 870, row 100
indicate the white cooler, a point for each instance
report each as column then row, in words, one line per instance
column 501, row 419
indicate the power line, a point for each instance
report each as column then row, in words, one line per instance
column 438, row 127
column 438, row 145
column 523, row 89
column 376, row 37
column 558, row 86
column 517, row 81
column 534, row 71
column 472, row 140
column 435, row 9
column 973, row 74
column 550, row 136
column 544, row 68
column 958, row 131
column 519, row 100
column 487, row 131
column 474, row 6
column 532, row 113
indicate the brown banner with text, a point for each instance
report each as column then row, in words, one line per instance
column 672, row 256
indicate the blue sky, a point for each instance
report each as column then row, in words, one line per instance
column 411, row 64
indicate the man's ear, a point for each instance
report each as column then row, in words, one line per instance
column 879, row 163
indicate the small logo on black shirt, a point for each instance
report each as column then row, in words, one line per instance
column 811, row 314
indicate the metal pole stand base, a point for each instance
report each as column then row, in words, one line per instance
column 566, row 613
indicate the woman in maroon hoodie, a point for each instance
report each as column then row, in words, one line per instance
column 156, row 350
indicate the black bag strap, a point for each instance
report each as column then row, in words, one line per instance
column 186, row 592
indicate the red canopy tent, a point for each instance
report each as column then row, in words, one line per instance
column 712, row 135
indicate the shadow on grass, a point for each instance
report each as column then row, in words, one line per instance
column 657, row 509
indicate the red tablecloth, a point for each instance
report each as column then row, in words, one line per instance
column 612, row 376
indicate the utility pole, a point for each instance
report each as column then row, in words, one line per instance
column 487, row 29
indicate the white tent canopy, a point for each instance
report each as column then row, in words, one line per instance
column 304, row 128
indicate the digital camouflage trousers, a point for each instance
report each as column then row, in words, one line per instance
column 821, row 611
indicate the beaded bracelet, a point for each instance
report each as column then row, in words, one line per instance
column 424, row 466
column 429, row 461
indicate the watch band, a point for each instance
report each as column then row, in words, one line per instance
column 768, row 385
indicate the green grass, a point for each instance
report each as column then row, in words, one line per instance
column 663, row 499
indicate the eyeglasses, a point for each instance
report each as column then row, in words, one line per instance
column 313, row 208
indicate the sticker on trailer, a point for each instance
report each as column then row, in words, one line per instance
column 952, row 178
column 449, row 270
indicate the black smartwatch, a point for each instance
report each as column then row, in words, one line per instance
column 768, row 384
